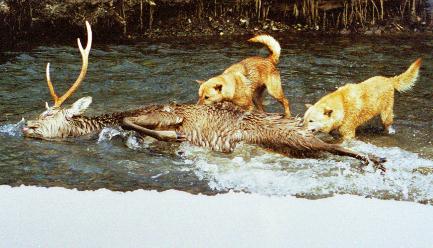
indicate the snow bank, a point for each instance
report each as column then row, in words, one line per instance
column 57, row 217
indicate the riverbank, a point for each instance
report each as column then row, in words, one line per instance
column 57, row 217
column 130, row 20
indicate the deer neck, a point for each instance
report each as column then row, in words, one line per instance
column 82, row 125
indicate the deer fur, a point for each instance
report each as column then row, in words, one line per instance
column 219, row 127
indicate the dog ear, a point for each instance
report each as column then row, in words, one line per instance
column 308, row 105
column 327, row 111
column 218, row 87
column 200, row 81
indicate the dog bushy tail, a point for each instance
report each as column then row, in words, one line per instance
column 407, row 79
column 272, row 45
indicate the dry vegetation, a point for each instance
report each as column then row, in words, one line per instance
column 140, row 17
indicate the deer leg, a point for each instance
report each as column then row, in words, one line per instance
column 341, row 151
column 168, row 135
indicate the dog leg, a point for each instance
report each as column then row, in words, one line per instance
column 258, row 99
column 347, row 132
column 387, row 117
column 273, row 85
column 285, row 103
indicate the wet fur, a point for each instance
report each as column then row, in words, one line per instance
column 222, row 126
column 354, row 104
column 244, row 83
column 219, row 127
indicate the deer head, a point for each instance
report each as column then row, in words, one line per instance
column 55, row 121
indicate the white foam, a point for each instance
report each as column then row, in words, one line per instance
column 131, row 140
column 13, row 129
column 109, row 133
column 266, row 173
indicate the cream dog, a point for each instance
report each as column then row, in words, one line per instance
column 354, row 104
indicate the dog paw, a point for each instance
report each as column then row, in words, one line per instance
column 391, row 130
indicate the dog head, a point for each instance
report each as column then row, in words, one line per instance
column 219, row 88
column 321, row 117
column 211, row 91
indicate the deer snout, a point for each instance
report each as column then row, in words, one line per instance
column 27, row 130
column 30, row 126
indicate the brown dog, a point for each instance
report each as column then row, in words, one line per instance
column 354, row 104
column 244, row 83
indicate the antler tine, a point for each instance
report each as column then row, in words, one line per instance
column 50, row 85
column 85, row 57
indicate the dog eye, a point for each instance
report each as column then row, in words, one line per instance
column 310, row 121
column 206, row 97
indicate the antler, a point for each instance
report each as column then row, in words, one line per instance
column 85, row 56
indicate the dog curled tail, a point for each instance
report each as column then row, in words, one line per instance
column 272, row 45
column 407, row 79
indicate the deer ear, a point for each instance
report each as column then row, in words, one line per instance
column 327, row 111
column 80, row 106
column 218, row 87
column 200, row 81
column 308, row 105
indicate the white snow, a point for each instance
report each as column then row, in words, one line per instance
column 58, row 217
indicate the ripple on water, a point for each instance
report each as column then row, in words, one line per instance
column 25, row 57
column 127, row 76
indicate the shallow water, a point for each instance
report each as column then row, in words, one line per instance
column 126, row 76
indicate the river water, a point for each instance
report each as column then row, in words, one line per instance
column 124, row 77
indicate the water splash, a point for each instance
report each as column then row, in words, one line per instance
column 13, row 129
column 131, row 140
column 397, row 157
column 108, row 134
column 270, row 174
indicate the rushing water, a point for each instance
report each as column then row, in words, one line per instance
column 123, row 77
